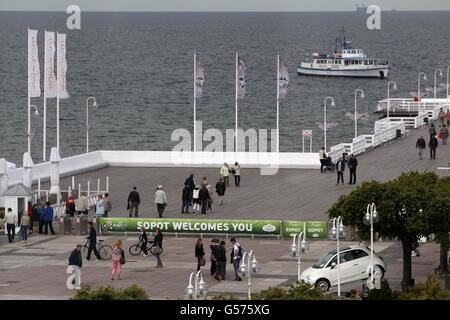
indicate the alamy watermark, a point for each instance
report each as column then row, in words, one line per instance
column 374, row 21
column 74, row 20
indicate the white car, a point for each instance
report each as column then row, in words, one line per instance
column 354, row 265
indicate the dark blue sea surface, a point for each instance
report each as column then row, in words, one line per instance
column 139, row 67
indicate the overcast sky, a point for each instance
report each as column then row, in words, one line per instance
column 220, row 5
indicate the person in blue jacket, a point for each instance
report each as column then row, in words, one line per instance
column 48, row 218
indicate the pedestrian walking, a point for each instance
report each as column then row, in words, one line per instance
column 100, row 207
column 157, row 246
column 108, row 205
column 323, row 158
column 11, row 221
column 421, row 145
column 195, row 198
column 204, row 181
column 41, row 217
column 352, row 164
column 340, row 168
column 236, row 256
column 432, row 130
column 237, row 174
column 203, row 195
column 70, row 206
column 143, row 240
column 82, row 205
column 444, row 134
column 160, row 200
column 213, row 245
column 118, row 258
column 220, row 255
column 211, row 200
column 76, row 261
column 200, row 254
column 447, row 116
column 35, row 217
column 220, row 190
column 48, row 218
column 186, row 198
column 441, row 116
column 133, row 203
column 92, row 242
column 433, row 145
column 24, row 224
column 225, row 172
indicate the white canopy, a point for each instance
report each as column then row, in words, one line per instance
column 54, row 177
column 3, row 180
column 27, row 179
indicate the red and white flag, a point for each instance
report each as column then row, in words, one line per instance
column 62, row 66
column 242, row 67
column 283, row 80
column 34, row 79
column 199, row 80
column 49, row 65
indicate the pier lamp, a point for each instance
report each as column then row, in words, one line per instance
column 252, row 266
column 356, row 118
column 418, row 85
column 94, row 104
column 338, row 231
column 435, row 76
column 198, row 289
column 297, row 249
column 388, row 94
column 370, row 218
column 325, row 119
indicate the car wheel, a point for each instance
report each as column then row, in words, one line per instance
column 380, row 268
column 323, row 284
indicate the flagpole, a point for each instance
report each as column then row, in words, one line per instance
column 29, row 100
column 278, row 103
column 45, row 99
column 236, row 103
column 57, row 92
column 195, row 99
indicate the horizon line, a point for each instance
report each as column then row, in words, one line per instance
column 227, row 11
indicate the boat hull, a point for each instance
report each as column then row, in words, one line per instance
column 379, row 73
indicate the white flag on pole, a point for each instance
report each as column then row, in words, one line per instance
column 62, row 66
column 49, row 65
column 242, row 67
column 33, row 65
column 199, row 80
column 283, row 80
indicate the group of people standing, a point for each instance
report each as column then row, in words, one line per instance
column 352, row 163
column 434, row 142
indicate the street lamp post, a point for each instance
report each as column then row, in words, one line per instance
column 297, row 249
column 435, row 76
column 338, row 231
column 252, row 266
column 325, row 119
column 198, row 289
column 388, row 95
column 356, row 117
column 418, row 85
column 370, row 218
column 87, row 120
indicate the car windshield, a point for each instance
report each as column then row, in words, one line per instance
column 322, row 261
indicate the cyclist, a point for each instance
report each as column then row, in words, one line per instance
column 143, row 241
column 92, row 242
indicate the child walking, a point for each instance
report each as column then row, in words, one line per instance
column 116, row 257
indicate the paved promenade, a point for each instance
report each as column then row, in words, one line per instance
column 291, row 194
column 37, row 269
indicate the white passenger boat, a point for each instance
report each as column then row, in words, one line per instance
column 344, row 62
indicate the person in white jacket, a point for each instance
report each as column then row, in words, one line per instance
column 11, row 223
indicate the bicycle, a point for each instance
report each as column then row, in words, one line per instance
column 104, row 250
column 136, row 248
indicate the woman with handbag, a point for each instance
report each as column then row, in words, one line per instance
column 200, row 254
column 118, row 258
column 157, row 245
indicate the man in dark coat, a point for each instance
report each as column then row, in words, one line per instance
column 133, row 202
column 203, row 195
column 186, row 198
column 221, row 261
column 191, row 183
column 433, row 145
column 220, row 189
column 143, row 240
column 352, row 164
column 92, row 242
column 76, row 261
column 421, row 144
column 340, row 167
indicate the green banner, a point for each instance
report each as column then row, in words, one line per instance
column 191, row 225
column 314, row 230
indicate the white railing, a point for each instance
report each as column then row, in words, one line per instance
column 388, row 134
column 337, row 150
column 361, row 144
column 410, row 105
